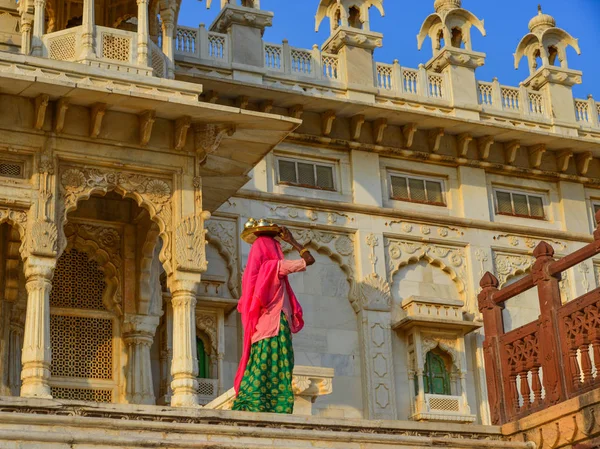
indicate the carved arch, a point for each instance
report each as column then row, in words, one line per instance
column 339, row 248
column 451, row 260
column 152, row 194
column 17, row 218
column 430, row 343
column 92, row 240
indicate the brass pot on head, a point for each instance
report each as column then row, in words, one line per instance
column 250, row 223
column 263, row 222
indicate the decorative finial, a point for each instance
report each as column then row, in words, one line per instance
column 539, row 8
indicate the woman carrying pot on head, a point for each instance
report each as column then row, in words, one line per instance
column 270, row 315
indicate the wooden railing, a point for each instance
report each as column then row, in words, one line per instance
column 551, row 359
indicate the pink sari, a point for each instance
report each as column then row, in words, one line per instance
column 261, row 287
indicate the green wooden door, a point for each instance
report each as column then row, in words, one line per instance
column 202, row 359
column 436, row 378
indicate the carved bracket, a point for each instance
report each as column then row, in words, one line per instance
column 484, row 145
column 536, row 154
column 510, row 152
column 409, row 131
column 190, row 242
column 96, row 116
column 356, row 124
column 327, row 119
column 562, row 160
column 463, row 144
column 379, row 127
column 435, row 139
column 182, row 125
column 208, row 138
column 41, row 104
column 62, row 106
column 582, row 160
column 147, row 119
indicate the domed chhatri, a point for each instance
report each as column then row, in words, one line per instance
column 449, row 27
column 444, row 5
column 545, row 43
column 542, row 21
column 347, row 13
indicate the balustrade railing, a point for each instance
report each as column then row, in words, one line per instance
column 552, row 359
column 201, row 43
column 518, row 100
column 587, row 112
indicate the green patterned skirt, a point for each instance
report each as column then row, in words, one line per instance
column 267, row 383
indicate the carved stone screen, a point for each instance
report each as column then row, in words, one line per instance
column 81, row 331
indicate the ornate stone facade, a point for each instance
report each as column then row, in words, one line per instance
column 131, row 161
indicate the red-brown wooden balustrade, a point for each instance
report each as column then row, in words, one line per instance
column 551, row 359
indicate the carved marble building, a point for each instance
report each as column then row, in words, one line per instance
column 133, row 150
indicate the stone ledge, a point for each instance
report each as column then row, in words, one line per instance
column 52, row 424
column 564, row 425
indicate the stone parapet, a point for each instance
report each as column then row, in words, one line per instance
column 571, row 424
column 63, row 424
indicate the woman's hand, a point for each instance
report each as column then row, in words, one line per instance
column 286, row 236
column 308, row 258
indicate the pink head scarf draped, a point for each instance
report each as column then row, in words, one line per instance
column 261, row 287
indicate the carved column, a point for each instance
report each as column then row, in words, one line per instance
column 142, row 32
column 26, row 26
column 168, row 43
column 184, row 367
column 87, row 35
column 36, row 341
column 38, row 27
column 138, row 335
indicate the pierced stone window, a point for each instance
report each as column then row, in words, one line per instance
column 11, row 169
column 416, row 189
column 82, row 332
column 306, row 174
column 519, row 204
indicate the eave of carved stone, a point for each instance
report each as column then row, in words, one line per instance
column 456, row 57
column 353, row 37
column 235, row 14
column 556, row 75
column 400, row 112
column 225, row 170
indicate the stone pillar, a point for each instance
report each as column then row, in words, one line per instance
column 138, row 335
column 26, row 26
column 37, row 353
column 38, row 27
column 87, row 34
column 184, row 367
column 168, row 43
column 142, row 32
column 166, row 352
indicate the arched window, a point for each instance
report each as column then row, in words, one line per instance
column 436, row 377
column 203, row 365
column 457, row 37
column 552, row 54
column 440, row 40
column 354, row 19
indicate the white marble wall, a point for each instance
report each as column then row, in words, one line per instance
column 478, row 239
